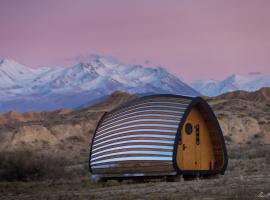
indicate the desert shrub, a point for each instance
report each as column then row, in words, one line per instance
column 267, row 159
column 25, row 165
column 233, row 154
column 228, row 138
column 258, row 152
column 256, row 136
column 250, row 151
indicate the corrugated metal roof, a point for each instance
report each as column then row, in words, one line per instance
column 139, row 136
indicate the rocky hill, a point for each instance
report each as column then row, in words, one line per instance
column 60, row 132
column 244, row 118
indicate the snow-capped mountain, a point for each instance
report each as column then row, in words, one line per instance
column 248, row 82
column 13, row 73
column 24, row 88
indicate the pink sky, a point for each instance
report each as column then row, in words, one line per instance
column 192, row 39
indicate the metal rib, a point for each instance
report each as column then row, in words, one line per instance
column 134, row 141
column 135, row 136
column 134, row 152
column 99, row 134
column 135, row 131
column 134, row 147
column 109, row 126
column 172, row 113
column 143, row 158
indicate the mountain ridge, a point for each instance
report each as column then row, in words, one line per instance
column 248, row 82
column 29, row 89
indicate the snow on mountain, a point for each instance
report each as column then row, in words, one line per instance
column 13, row 73
column 24, row 88
column 249, row 82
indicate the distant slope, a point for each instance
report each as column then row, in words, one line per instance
column 249, row 82
column 261, row 96
column 244, row 118
column 64, row 132
column 26, row 89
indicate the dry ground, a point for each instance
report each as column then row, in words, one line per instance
column 247, row 177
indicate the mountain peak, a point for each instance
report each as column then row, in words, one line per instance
column 11, row 64
column 90, row 79
column 6, row 61
column 100, row 61
column 248, row 82
column 13, row 73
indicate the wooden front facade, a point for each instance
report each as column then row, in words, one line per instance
column 158, row 135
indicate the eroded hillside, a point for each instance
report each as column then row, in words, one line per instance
column 244, row 118
column 49, row 152
column 62, row 132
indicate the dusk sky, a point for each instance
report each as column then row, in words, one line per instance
column 191, row 39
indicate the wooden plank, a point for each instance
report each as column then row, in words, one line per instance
column 135, row 169
column 132, row 171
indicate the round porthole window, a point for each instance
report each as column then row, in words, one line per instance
column 188, row 128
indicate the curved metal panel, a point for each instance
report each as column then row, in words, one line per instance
column 135, row 131
column 162, row 153
column 135, row 136
column 161, row 147
column 150, row 103
column 143, row 116
column 139, row 136
column 134, row 141
column 180, row 108
column 148, row 111
column 141, row 158
column 136, row 126
column 110, row 126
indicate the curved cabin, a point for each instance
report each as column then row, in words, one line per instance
column 158, row 135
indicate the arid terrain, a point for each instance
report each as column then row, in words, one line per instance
column 44, row 155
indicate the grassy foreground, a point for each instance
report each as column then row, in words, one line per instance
column 247, row 177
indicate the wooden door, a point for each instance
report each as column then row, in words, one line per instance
column 188, row 147
column 195, row 150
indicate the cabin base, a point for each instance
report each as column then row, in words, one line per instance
column 156, row 178
column 140, row 179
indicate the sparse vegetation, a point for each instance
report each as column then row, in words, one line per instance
column 246, row 177
column 28, row 166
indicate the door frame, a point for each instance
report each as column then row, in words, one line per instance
column 198, row 101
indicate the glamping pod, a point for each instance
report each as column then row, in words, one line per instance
column 158, row 135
